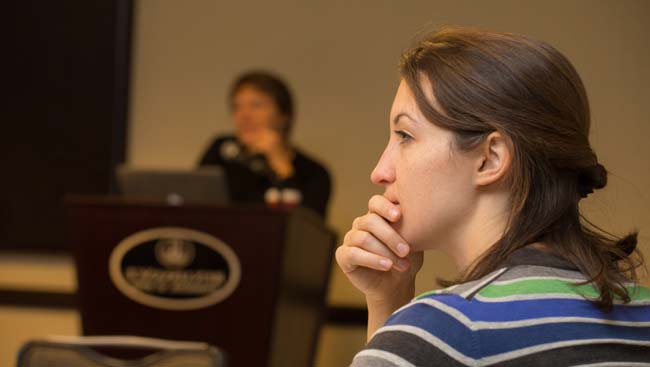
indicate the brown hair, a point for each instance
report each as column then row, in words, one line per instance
column 271, row 85
column 527, row 90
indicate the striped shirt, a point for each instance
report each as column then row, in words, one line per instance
column 529, row 313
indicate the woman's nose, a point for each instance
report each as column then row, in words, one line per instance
column 384, row 172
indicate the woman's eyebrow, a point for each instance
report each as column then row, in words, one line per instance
column 397, row 118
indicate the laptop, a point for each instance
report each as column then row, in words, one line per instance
column 205, row 185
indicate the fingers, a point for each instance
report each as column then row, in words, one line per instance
column 370, row 243
column 264, row 141
column 373, row 242
column 350, row 258
column 374, row 224
column 385, row 208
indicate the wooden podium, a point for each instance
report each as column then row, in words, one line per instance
column 271, row 317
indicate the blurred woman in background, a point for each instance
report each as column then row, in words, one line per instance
column 260, row 162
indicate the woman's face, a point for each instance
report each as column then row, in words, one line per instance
column 425, row 176
column 255, row 113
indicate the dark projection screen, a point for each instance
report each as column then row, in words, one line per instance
column 65, row 121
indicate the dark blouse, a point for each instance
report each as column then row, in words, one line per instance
column 249, row 176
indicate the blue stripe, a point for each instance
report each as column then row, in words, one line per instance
column 476, row 310
column 459, row 337
column 439, row 324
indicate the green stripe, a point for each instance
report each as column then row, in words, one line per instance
column 428, row 293
column 640, row 293
column 553, row 286
column 545, row 286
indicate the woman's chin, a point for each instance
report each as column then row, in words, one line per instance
column 403, row 231
column 414, row 239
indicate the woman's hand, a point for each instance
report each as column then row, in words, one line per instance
column 263, row 140
column 378, row 261
column 270, row 143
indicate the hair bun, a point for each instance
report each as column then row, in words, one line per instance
column 591, row 178
column 625, row 247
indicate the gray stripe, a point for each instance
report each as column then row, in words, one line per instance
column 431, row 339
column 544, row 347
column 615, row 364
column 523, row 271
column 460, row 357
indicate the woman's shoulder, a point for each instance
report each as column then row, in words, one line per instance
column 503, row 315
column 307, row 163
column 219, row 145
column 432, row 330
column 220, row 139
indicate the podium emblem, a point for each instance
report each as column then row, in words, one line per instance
column 174, row 253
column 174, row 268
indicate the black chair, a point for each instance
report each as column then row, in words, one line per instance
column 91, row 351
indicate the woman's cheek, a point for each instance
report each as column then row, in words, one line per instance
column 406, row 228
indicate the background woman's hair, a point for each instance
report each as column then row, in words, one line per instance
column 526, row 89
column 274, row 87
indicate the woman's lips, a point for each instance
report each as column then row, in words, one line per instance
column 392, row 200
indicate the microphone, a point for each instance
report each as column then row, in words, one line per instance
column 233, row 151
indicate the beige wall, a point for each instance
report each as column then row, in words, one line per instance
column 44, row 273
column 340, row 58
column 21, row 324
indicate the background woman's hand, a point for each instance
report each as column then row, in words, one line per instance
column 376, row 259
column 263, row 140
column 269, row 142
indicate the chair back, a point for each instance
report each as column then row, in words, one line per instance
column 90, row 351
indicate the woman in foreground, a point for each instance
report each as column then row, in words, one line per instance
column 488, row 159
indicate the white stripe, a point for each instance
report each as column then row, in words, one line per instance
column 449, row 311
column 521, row 279
column 441, row 291
column 483, row 325
column 537, row 296
column 387, row 356
column 579, row 281
column 451, row 287
column 405, row 307
column 527, row 297
column 483, row 283
column 443, row 307
column 460, row 357
column 427, row 337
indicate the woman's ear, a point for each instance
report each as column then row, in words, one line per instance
column 494, row 159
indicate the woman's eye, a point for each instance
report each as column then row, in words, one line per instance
column 403, row 136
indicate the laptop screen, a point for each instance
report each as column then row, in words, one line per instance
column 206, row 185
